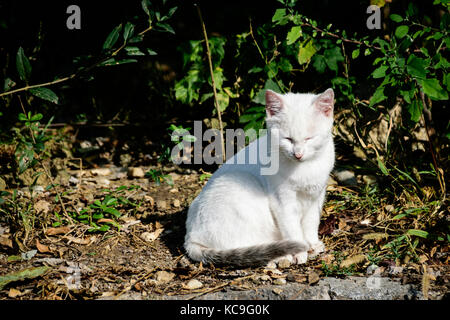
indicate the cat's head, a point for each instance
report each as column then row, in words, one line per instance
column 303, row 122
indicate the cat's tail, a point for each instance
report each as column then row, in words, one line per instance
column 257, row 255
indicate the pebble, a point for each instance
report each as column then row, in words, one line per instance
column 164, row 276
column 193, row 284
column 136, row 173
column 279, row 281
column 101, row 172
column 161, row 205
column 176, row 203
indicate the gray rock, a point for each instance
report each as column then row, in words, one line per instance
column 345, row 177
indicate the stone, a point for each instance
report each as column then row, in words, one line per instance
column 136, row 173
column 161, row 205
column 193, row 284
column 176, row 203
column 345, row 177
column 101, row 172
column 163, row 277
column 279, row 281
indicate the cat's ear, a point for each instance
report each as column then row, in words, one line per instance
column 325, row 102
column 274, row 103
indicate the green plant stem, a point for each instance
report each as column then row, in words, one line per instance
column 219, row 116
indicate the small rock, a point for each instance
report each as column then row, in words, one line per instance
column 389, row 208
column 184, row 263
column 284, row 263
column 176, row 203
column 395, row 270
column 277, row 291
column 101, row 172
column 103, row 182
column 265, row 277
column 73, row 180
column 173, row 190
column 164, row 276
column 161, row 205
column 136, row 173
column 313, row 277
column 279, row 281
column 42, row 206
column 193, row 284
column 346, row 177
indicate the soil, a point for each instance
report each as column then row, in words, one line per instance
column 145, row 259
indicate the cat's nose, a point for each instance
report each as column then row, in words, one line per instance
column 298, row 155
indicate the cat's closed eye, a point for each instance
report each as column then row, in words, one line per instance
column 308, row 138
column 290, row 139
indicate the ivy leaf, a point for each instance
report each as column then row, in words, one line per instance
column 433, row 89
column 294, row 34
column 23, row 65
column 306, row 51
column 45, row 94
column 401, row 31
column 112, row 38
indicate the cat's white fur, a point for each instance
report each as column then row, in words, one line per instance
column 240, row 208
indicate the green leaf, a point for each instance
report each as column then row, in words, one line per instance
column 294, row 34
column 112, row 38
column 378, row 96
column 433, row 89
column 306, row 51
column 401, row 31
column 21, row 275
column 382, row 167
column 23, row 65
column 145, row 4
column 415, row 110
column 165, row 27
column 134, row 51
column 113, row 62
column 418, row 233
column 151, row 52
column 279, row 14
column 128, row 31
column 22, row 117
column 332, row 57
column 355, row 53
column 37, row 117
column 416, row 66
column 113, row 211
column 396, row 18
column 380, row 72
column 45, row 94
column 319, row 63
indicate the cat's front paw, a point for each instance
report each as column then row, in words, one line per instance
column 316, row 249
column 301, row 257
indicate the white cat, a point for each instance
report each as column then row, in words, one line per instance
column 244, row 218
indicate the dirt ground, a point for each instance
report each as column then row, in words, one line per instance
column 145, row 259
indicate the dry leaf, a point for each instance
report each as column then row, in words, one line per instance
column 58, row 230
column 42, row 206
column 6, row 241
column 353, row 260
column 151, row 236
column 375, row 236
column 425, row 282
column 41, row 248
column 433, row 251
column 105, row 220
column 342, row 224
column 313, row 277
column 87, row 240
column 14, row 293
column 423, row 258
